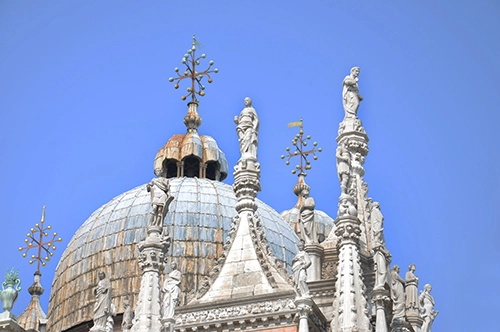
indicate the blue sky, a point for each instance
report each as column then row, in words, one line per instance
column 86, row 103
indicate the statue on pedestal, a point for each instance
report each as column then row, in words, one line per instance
column 397, row 294
column 102, row 305
column 300, row 263
column 377, row 219
column 412, row 290
column 172, row 292
column 427, row 305
column 380, row 264
column 307, row 224
column 350, row 94
column 248, row 131
column 160, row 199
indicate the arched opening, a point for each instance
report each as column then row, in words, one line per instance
column 170, row 168
column 213, row 170
column 191, row 167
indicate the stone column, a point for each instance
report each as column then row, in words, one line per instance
column 304, row 307
column 381, row 298
column 315, row 252
column 350, row 305
column 152, row 262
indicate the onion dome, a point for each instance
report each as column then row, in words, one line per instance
column 198, row 221
column 191, row 155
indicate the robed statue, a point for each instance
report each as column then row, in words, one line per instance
column 102, row 306
column 350, row 94
column 248, row 130
column 300, row 263
column 427, row 308
column 172, row 292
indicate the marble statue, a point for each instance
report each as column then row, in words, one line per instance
column 350, row 94
column 110, row 323
column 300, row 263
column 397, row 294
column 411, row 290
column 172, row 292
column 248, row 130
column 343, row 168
column 380, row 265
column 102, row 305
column 427, row 308
column 357, row 164
column 377, row 222
column 307, row 222
column 128, row 316
column 346, row 206
column 160, row 199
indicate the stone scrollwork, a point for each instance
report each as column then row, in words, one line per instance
column 236, row 311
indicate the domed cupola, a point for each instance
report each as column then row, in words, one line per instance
column 191, row 155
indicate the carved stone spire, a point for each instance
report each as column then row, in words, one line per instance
column 33, row 317
column 350, row 303
column 247, row 267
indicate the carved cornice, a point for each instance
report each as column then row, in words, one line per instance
column 260, row 313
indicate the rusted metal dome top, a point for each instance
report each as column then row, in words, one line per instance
column 198, row 222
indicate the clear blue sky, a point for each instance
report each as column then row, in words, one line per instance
column 86, row 103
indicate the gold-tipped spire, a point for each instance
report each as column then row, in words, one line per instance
column 37, row 242
column 191, row 61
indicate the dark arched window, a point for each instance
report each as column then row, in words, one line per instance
column 191, row 167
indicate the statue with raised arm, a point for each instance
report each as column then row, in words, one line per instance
column 397, row 294
column 307, row 223
column 160, row 199
column 427, row 305
column 350, row 94
column 102, row 306
column 248, row 130
column 300, row 263
column 172, row 292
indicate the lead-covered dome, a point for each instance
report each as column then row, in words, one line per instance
column 198, row 221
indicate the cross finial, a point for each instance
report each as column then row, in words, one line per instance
column 191, row 61
column 300, row 143
column 43, row 247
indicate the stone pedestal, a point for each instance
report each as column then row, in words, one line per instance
column 168, row 324
column 400, row 325
column 315, row 252
column 381, row 297
column 415, row 321
column 8, row 323
column 304, row 307
column 152, row 262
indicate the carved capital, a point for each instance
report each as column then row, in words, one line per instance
column 347, row 228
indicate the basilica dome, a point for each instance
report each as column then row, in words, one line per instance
column 198, row 222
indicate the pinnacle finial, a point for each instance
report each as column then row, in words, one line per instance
column 299, row 142
column 33, row 242
column 191, row 61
